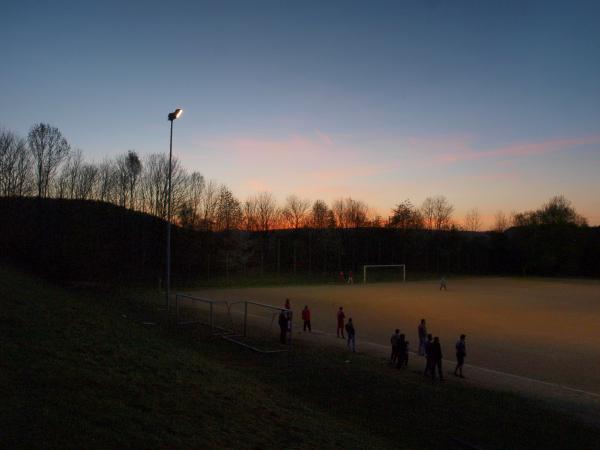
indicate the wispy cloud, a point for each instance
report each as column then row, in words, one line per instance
column 519, row 149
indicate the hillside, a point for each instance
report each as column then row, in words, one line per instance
column 82, row 369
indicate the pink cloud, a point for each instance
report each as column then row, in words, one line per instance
column 523, row 149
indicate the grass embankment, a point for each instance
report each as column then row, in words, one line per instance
column 82, row 370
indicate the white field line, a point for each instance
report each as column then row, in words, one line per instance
column 496, row 372
column 483, row 369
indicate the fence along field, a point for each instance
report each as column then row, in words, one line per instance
column 250, row 324
column 544, row 329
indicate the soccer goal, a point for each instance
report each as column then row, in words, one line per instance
column 257, row 327
column 212, row 313
column 396, row 269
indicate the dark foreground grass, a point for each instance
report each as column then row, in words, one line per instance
column 82, row 370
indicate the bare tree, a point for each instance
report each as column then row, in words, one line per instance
column 319, row 215
column 209, row 204
column 128, row 168
column 15, row 165
column 356, row 213
column 338, row 208
column 69, row 174
column 294, row 211
column 49, row 149
column 86, row 181
column 501, row 222
column 134, row 168
column 437, row 212
column 229, row 211
column 267, row 212
column 105, row 181
column 428, row 213
column 473, row 220
column 250, row 214
column 350, row 213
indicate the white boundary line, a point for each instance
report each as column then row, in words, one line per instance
column 497, row 372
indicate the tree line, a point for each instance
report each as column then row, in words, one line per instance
column 46, row 166
column 82, row 220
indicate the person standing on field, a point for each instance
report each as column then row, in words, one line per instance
column 427, row 348
column 401, row 350
column 436, row 358
column 422, row 330
column 461, row 352
column 340, row 322
column 342, row 278
column 306, row 318
column 351, row 335
column 350, row 277
column 288, row 313
column 394, row 342
column 443, row 283
column 283, row 326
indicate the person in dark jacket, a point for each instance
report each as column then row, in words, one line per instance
column 394, row 343
column 436, row 358
column 461, row 352
column 402, row 351
column 422, row 330
column 427, row 350
column 351, row 333
column 283, row 326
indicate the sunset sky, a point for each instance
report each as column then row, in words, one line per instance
column 495, row 105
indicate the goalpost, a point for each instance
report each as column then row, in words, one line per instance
column 371, row 266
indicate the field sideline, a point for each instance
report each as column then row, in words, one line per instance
column 548, row 330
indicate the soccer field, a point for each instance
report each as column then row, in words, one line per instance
column 548, row 330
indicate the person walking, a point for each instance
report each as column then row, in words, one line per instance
column 436, row 358
column 283, row 326
column 351, row 335
column 306, row 318
column 427, row 349
column 340, row 322
column 461, row 352
column 394, row 342
column 422, row 331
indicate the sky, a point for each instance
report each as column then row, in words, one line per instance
column 495, row 105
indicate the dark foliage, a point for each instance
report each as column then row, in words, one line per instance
column 87, row 240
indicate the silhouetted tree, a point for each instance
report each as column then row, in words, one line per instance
column 294, row 211
column 48, row 149
column 473, row 220
column 15, row 165
column 406, row 216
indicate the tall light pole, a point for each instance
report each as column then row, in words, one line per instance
column 172, row 116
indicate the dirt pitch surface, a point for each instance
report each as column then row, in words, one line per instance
column 537, row 336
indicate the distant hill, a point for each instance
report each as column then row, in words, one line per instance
column 71, row 240
column 77, row 240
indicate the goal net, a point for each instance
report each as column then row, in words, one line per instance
column 257, row 326
column 212, row 313
column 384, row 272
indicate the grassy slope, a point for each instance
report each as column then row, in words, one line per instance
column 75, row 373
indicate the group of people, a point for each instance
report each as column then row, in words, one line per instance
column 429, row 346
column 349, row 280
column 349, row 327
